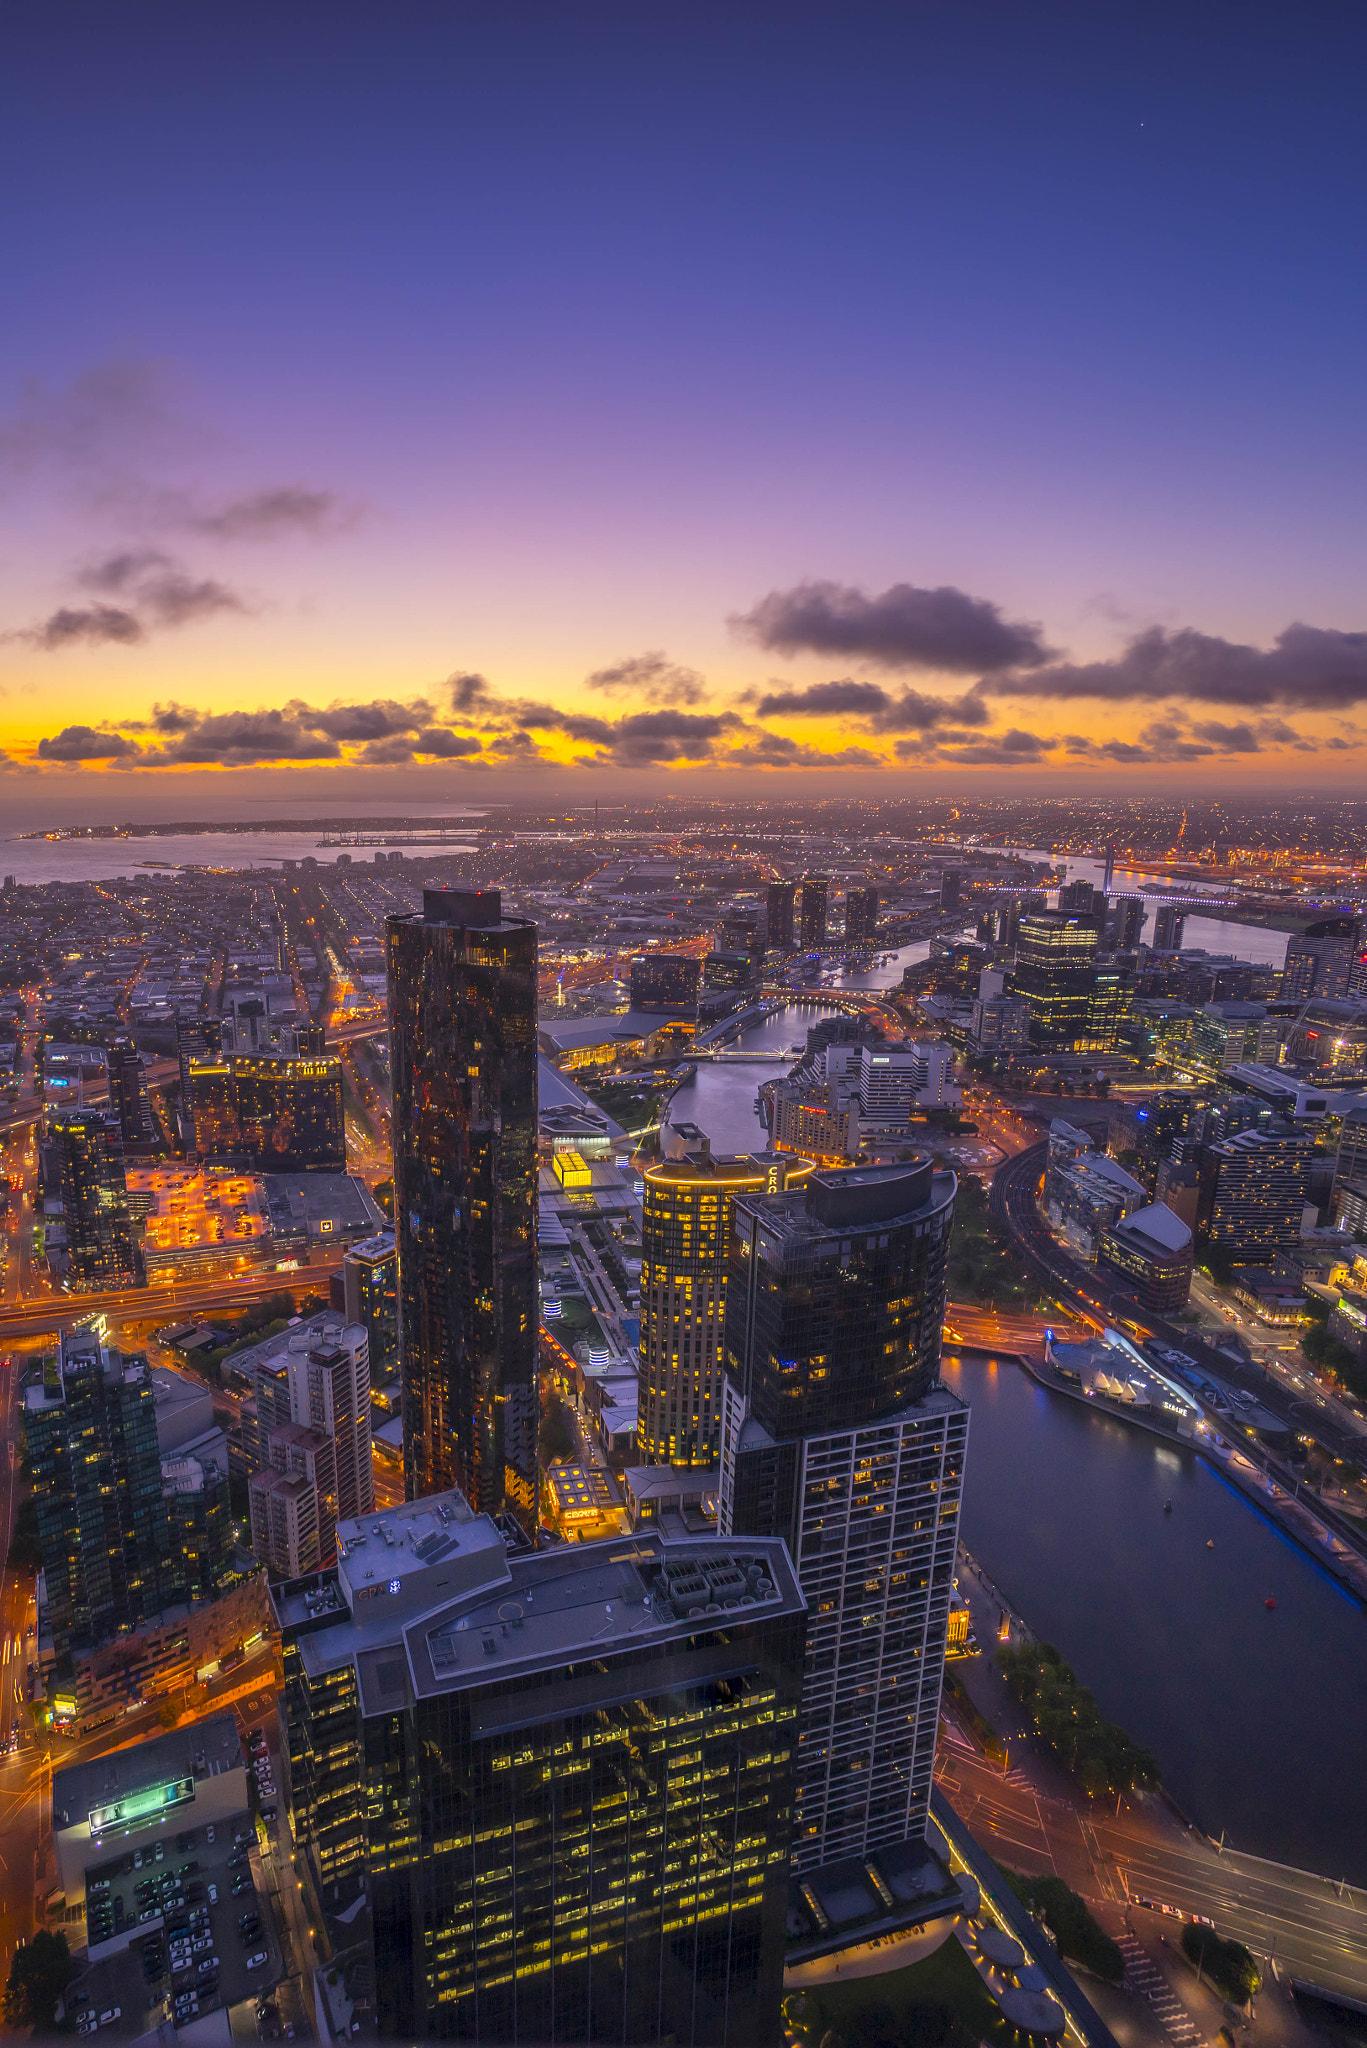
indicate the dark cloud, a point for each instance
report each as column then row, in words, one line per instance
column 175, row 599
column 92, row 427
column 1309, row 668
column 775, row 750
column 1011, row 749
column 235, row 739
column 903, row 627
column 265, row 515
column 877, row 709
column 83, row 743
column 91, row 624
column 445, row 745
column 1230, row 739
column 646, row 738
column 378, row 720
column 122, row 571
column 652, row 677
column 469, row 693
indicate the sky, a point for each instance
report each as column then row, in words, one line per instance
column 439, row 403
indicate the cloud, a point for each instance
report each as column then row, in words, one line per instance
column 378, row 720
column 1230, row 739
column 435, row 743
column 652, row 677
column 877, row 709
column 91, row 624
column 776, row 750
column 82, row 743
column 268, row 514
column 469, row 692
column 1011, row 749
column 235, row 739
column 93, row 426
column 902, row 627
column 1308, row 668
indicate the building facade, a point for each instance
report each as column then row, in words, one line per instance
column 666, row 982
column 99, row 1226
column 1054, row 973
column 269, row 1112
column 462, row 1006
column 686, row 1222
column 861, row 916
column 1257, row 1192
column 838, row 1437
column 780, row 926
column 370, row 1294
column 564, row 1779
column 812, row 906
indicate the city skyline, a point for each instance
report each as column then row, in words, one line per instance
column 567, row 409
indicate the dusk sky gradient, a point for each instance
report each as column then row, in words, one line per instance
column 349, row 350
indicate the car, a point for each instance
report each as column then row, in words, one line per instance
column 87, row 2026
column 240, row 1885
column 241, row 1835
column 137, row 1859
column 246, row 1919
column 209, row 1963
column 160, row 1852
column 202, row 1944
column 213, row 1894
column 149, row 1913
column 269, row 1812
column 209, row 1832
column 189, row 1869
column 110, row 2014
column 257, row 1961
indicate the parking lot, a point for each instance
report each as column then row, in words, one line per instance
column 209, row 1940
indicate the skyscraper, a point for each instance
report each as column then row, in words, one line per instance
column 99, row 1227
column 837, row 1436
column 1320, row 960
column 666, row 982
column 686, row 1220
column 128, row 1095
column 778, row 900
column 90, row 1436
column 861, row 916
column 564, row 1779
column 370, row 1291
column 1054, row 972
column 1169, row 923
column 1257, row 1196
column 462, row 1010
column 813, row 913
column 196, row 1038
column 1124, row 924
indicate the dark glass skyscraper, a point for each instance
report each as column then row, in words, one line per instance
column 99, row 1227
column 838, row 1437
column 813, row 913
column 778, row 900
column 1055, row 971
column 462, row 1027
column 861, row 916
column 563, row 1779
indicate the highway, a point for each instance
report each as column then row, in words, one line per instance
column 183, row 1302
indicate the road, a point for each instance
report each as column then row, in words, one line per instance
column 185, row 1301
column 1092, row 1296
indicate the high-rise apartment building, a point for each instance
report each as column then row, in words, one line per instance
column 666, row 982
column 838, row 1436
column 951, row 888
column 370, row 1293
column 1256, row 1201
column 1078, row 896
column 861, row 916
column 90, row 1437
column 462, row 1031
column 1169, row 924
column 686, row 1220
column 563, row 1779
column 1320, row 960
column 269, row 1112
column 196, row 1038
column 812, row 913
column 128, row 1096
column 99, row 1225
column 778, row 901
column 1054, row 973
column 1124, row 924
column 313, row 1446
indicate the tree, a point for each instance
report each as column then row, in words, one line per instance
column 1228, row 1964
column 38, row 1975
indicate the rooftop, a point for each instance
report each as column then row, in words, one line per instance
column 1159, row 1225
column 200, row 1751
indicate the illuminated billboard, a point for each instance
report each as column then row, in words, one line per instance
column 140, row 1809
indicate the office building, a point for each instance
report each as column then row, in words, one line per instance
column 99, row 1225
column 1169, row 924
column 685, row 1225
column 1350, row 1161
column 1320, row 960
column 269, row 1112
column 90, row 1437
column 812, row 913
column 1079, row 897
column 1256, row 1202
column 1161, row 1128
column 1054, row 975
column 1225, row 1035
column 1001, row 1024
column 780, row 929
column 951, row 886
column 838, row 1437
column 370, row 1296
column 563, row 1779
column 462, row 1030
column 666, row 982
column 730, row 971
column 1008, row 915
column 196, row 1038
column 1152, row 1248
column 861, row 916
column 1105, row 1012
column 1124, row 924
column 1085, row 1191
column 128, row 1096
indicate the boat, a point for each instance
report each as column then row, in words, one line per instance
column 1210, row 1543
column 1269, row 1602
column 1167, row 1507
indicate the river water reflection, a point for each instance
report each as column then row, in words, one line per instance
column 1256, row 1716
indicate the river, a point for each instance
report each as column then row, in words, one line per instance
column 1216, row 934
column 1255, row 1716
column 105, row 860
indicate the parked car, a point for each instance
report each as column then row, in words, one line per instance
column 257, row 1961
column 213, row 1894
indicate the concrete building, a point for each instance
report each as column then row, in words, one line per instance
column 1257, row 1192
column 1320, row 961
column 1086, row 1192
column 838, row 1437
column 1152, row 1248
